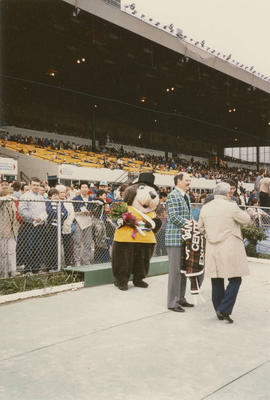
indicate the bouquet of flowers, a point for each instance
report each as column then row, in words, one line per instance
column 121, row 215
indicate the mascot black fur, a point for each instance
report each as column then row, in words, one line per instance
column 133, row 247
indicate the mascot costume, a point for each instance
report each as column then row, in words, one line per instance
column 134, row 239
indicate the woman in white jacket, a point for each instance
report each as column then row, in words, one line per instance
column 67, row 226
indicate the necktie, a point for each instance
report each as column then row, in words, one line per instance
column 186, row 200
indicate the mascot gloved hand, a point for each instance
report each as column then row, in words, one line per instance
column 134, row 239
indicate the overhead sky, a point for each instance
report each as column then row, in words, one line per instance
column 237, row 27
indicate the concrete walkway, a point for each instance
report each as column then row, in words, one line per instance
column 103, row 344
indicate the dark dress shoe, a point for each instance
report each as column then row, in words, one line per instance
column 223, row 316
column 185, row 304
column 220, row 315
column 141, row 284
column 177, row 309
column 228, row 318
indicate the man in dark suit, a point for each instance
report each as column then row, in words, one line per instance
column 178, row 210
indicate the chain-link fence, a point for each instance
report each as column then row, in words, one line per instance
column 48, row 235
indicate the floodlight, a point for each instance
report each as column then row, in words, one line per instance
column 76, row 12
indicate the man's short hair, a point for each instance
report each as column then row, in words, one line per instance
column 222, row 188
column 179, row 177
column 253, row 201
column 16, row 186
column 100, row 192
column 34, row 179
column 262, row 171
column 83, row 183
column 231, row 182
column 52, row 192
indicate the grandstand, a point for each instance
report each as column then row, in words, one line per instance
column 65, row 162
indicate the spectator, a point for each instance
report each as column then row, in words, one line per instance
column 32, row 232
column 83, row 226
column 233, row 193
column 72, row 192
column 191, row 197
column 4, row 184
column 242, row 199
column 9, row 226
column 98, row 206
column 257, row 215
column 261, row 175
column 264, row 191
column 16, row 189
column 103, row 185
column 197, row 198
column 51, row 245
column 42, row 192
column 195, row 210
column 251, row 196
column 25, row 188
column 67, row 226
column 160, row 249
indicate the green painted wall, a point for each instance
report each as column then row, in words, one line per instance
column 101, row 274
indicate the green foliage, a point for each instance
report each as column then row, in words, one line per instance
column 253, row 233
column 265, row 256
column 30, row 282
column 118, row 209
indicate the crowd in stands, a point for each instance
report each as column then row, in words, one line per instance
column 83, row 155
column 29, row 225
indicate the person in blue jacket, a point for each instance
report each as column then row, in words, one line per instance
column 51, row 256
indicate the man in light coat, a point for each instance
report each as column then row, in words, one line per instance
column 225, row 257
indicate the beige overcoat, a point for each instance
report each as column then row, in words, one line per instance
column 8, row 221
column 220, row 221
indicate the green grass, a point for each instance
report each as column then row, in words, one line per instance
column 30, row 282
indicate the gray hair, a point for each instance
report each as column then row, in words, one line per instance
column 60, row 188
column 222, row 188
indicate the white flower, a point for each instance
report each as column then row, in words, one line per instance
column 120, row 222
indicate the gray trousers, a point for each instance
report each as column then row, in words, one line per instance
column 176, row 280
column 82, row 244
column 7, row 256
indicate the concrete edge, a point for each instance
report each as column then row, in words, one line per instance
column 258, row 260
column 40, row 292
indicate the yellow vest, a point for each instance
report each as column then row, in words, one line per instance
column 124, row 234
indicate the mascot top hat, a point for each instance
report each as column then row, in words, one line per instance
column 148, row 179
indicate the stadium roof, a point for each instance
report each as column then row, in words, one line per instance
column 172, row 38
column 134, row 72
